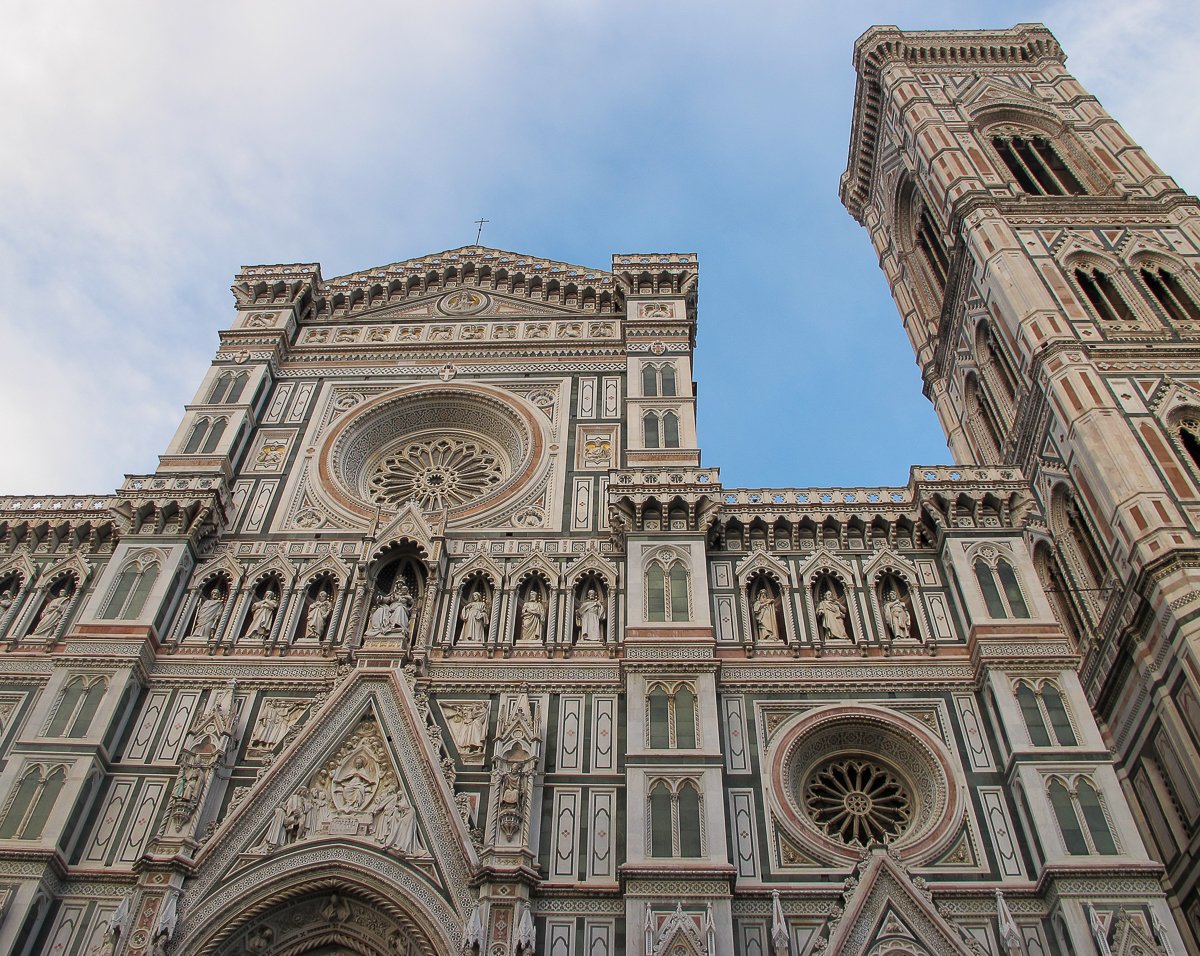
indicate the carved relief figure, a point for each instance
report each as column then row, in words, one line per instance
column 354, row 783
column 766, row 619
column 381, row 617
column 208, row 616
column 896, row 615
column 475, row 620
column 319, row 613
column 468, row 726
column 399, row 618
column 533, row 619
column 275, row 719
column 396, row 824
column 831, row 612
column 6, row 602
column 589, row 616
column 262, row 616
column 656, row 310
column 52, row 613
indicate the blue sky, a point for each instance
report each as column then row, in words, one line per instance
column 151, row 149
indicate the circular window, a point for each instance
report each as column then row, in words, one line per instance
column 462, row 448
column 858, row 801
column 846, row 777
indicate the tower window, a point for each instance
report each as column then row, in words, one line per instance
column 660, row 431
column 77, row 706
column 205, row 436
column 650, row 430
column 228, row 388
column 36, row 793
column 1003, row 601
column 1036, row 166
column 667, row 591
column 133, row 587
column 934, row 252
column 1045, row 715
column 672, row 717
column 676, row 827
column 1100, row 290
column 1081, row 817
column 1170, row 294
column 658, row 380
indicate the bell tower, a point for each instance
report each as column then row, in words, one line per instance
column 1046, row 273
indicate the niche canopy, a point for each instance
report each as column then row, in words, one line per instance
column 463, row 448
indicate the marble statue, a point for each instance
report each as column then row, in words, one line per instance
column 208, row 616
column 896, row 616
column 832, row 615
column 381, row 617
column 590, row 617
column 6, row 601
column 766, row 619
column 275, row 719
column 396, row 824
column 468, row 726
column 475, row 620
column 262, row 616
column 319, row 613
column 533, row 619
column 400, row 616
column 52, row 614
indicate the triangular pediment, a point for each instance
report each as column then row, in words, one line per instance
column 885, row 904
column 479, row 256
column 361, row 787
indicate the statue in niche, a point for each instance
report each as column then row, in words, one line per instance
column 187, row 784
column 468, row 726
column 52, row 613
column 475, row 620
column 208, row 616
column 262, row 616
column 896, row 615
column 381, row 617
column 319, row 612
column 6, row 602
column 400, row 616
column 533, row 619
column 396, row 824
column 831, row 612
column 766, row 618
column 589, row 617
column 336, row 910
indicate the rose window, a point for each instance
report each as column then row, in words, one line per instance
column 858, row 801
column 437, row 473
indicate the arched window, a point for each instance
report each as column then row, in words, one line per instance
column 1102, row 293
column 133, row 586
column 1045, row 715
column 937, row 262
column 661, row 823
column 650, row 430
column 649, row 381
column 228, row 388
column 1188, row 432
column 205, row 436
column 670, row 423
column 983, row 421
column 689, row 820
column 668, row 380
column 35, row 796
column 1009, row 602
column 1036, row 166
column 667, row 591
column 77, row 707
column 1081, row 817
column 1170, row 294
column 671, row 710
column 676, row 819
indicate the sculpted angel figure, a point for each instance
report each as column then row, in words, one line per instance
column 262, row 616
column 474, row 620
column 208, row 615
column 766, row 620
column 896, row 615
column 52, row 613
column 590, row 617
column 832, row 615
column 319, row 613
column 533, row 619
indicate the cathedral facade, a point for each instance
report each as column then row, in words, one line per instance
column 431, row 634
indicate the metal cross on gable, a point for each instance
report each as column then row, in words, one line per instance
column 479, row 232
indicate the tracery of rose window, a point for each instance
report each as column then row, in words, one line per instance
column 858, row 801
column 437, row 473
